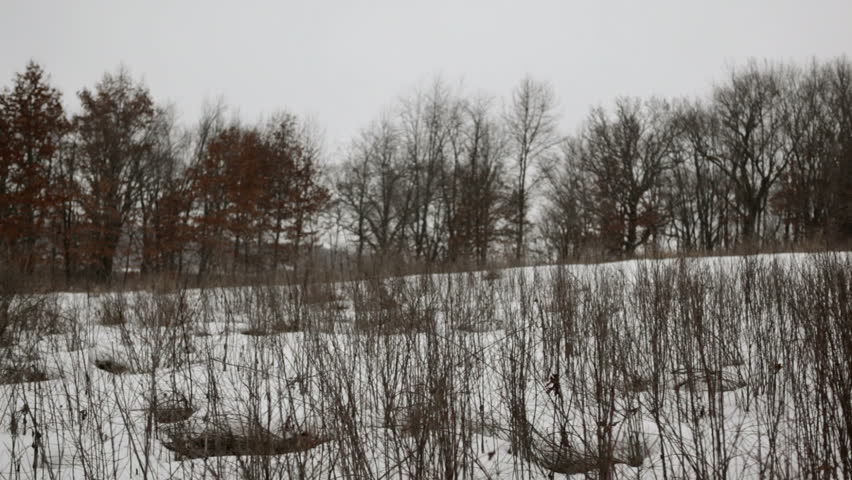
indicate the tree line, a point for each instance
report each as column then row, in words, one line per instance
column 441, row 176
column 121, row 180
column 766, row 157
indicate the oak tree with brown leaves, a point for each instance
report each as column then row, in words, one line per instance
column 115, row 136
column 32, row 123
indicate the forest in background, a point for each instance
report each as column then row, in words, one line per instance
column 442, row 177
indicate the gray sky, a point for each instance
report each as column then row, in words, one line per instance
column 342, row 61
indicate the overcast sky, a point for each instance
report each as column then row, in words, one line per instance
column 343, row 61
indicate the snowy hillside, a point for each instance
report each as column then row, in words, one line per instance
column 735, row 367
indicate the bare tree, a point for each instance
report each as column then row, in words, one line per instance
column 568, row 223
column 164, row 199
column 531, row 127
column 699, row 196
column 426, row 124
column 475, row 181
column 373, row 189
column 751, row 150
column 209, row 126
column 803, row 193
column 839, row 101
column 352, row 186
column 628, row 156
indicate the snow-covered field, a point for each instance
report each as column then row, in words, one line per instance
column 736, row 367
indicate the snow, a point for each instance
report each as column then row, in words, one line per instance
column 92, row 411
